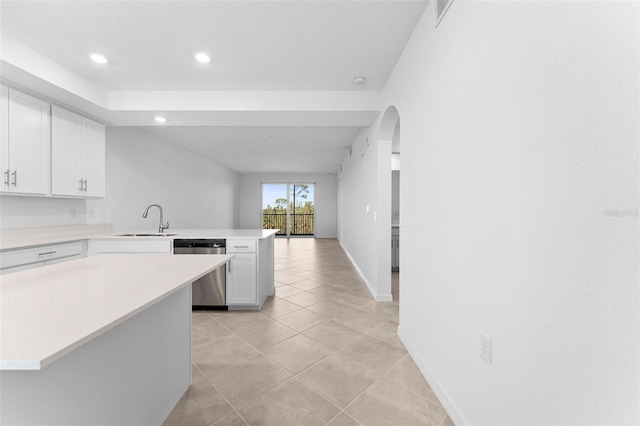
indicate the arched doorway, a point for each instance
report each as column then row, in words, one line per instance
column 389, row 195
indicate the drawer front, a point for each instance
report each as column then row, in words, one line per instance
column 13, row 258
column 241, row 246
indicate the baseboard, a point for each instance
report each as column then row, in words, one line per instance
column 366, row 281
column 447, row 402
column 384, row 298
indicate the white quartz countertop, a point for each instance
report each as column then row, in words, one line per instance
column 13, row 239
column 47, row 312
column 196, row 233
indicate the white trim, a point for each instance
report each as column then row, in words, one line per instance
column 384, row 298
column 445, row 399
column 376, row 296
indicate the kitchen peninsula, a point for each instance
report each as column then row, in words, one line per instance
column 251, row 279
column 250, row 282
column 108, row 337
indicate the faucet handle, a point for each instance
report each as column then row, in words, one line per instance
column 165, row 226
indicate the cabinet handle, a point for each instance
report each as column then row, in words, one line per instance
column 241, row 247
column 6, row 177
column 46, row 253
column 15, row 177
column 85, row 185
column 80, row 182
column 229, row 263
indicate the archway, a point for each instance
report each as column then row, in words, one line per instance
column 388, row 154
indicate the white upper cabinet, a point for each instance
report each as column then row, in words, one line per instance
column 24, row 151
column 93, row 158
column 66, row 152
column 4, row 137
column 77, row 155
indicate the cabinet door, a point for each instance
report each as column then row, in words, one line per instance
column 93, row 154
column 29, row 144
column 162, row 245
column 4, row 137
column 242, row 284
column 66, row 152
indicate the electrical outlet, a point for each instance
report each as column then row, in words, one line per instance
column 485, row 348
column 72, row 213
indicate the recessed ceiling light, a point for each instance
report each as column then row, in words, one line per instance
column 359, row 81
column 96, row 57
column 160, row 119
column 203, row 58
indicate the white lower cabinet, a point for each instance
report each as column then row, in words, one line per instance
column 33, row 257
column 127, row 245
column 242, row 276
column 242, row 283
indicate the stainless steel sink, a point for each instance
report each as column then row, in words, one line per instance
column 145, row 235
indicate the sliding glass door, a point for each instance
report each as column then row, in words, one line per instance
column 289, row 207
column 274, row 207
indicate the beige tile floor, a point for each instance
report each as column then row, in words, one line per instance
column 321, row 352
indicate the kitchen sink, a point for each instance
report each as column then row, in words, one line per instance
column 145, row 235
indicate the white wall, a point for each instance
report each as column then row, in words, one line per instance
column 34, row 212
column 143, row 170
column 365, row 210
column 326, row 199
column 519, row 135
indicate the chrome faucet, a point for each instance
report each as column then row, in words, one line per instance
column 162, row 226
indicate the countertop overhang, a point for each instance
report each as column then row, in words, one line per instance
column 258, row 234
column 48, row 312
column 13, row 239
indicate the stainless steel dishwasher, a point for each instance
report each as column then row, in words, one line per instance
column 210, row 291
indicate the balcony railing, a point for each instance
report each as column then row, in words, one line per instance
column 301, row 224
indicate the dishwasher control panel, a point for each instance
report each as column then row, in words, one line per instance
column 199, row 242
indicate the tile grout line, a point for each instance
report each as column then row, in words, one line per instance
column 292, row 375
column 220, row 393
column 370, row 386
column 291, row 263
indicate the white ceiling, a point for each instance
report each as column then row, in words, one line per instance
column 313, row 46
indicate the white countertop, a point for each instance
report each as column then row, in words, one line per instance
column 11, row 239
column 47, row 312
column 259, row 234
column 28, row 237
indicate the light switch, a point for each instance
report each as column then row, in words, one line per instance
column 368, row 209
